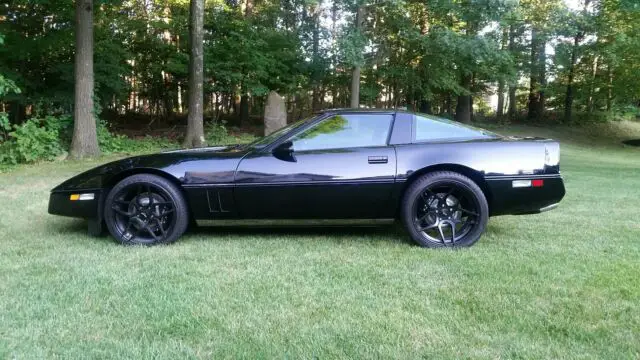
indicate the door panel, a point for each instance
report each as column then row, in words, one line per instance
column 327, row 184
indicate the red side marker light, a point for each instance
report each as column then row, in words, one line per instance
column 537, row 183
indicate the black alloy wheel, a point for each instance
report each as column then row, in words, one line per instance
column 145, row 209
column 444, row 209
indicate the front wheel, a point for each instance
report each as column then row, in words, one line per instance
column 444, row 209
column 146, row 209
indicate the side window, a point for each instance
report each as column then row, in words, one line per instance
column 345, row 131
column 427, row 129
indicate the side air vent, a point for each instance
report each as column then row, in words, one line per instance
column 218, row 201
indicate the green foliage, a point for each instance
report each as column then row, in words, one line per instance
column 216, row 133
column 7, row 86
column 410, row 53
column 5, row 126
column 335, row 124
column 31, row 141
column 49, row 137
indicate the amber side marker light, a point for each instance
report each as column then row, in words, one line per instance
column 75, row 197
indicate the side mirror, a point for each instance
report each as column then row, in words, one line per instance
column 284, row 151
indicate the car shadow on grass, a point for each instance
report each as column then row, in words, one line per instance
column 386, row 233
column 77, row 228
column 68, row 225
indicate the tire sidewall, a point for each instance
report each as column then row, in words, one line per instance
column 181, row 212
column 417, row 187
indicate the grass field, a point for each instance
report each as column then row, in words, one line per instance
column 564, row 284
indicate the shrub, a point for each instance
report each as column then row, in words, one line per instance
column 216, row 133
column 48, row 137
column 31, row 141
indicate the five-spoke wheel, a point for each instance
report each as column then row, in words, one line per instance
column 444, row 209
column 145, row 209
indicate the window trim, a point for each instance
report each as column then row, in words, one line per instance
column 402, row 129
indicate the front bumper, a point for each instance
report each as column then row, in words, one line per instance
column 549, row 208
column 60, row 203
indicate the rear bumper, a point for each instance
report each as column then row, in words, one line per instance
column 61, row 204
column 509, row 200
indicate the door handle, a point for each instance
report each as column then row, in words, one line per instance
column 378, row 159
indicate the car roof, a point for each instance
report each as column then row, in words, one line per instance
column 360, row 110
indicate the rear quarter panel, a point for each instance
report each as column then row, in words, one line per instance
column 497, row 162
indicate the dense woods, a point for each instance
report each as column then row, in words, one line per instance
column 530, row 60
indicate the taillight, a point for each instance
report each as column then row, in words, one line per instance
column 527, row 183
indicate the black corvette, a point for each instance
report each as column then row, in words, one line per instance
column 443, row 180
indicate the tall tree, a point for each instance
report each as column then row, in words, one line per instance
column 501, row 82
column 537, row 75
column 316, row 70
column 195, row 127
column 85, row 140
column 541, row 16
column 513, row 85
column 580, row 33
column 355, row 74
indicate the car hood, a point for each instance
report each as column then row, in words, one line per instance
column 207, row 165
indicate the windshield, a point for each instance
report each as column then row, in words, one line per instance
column 264, row 141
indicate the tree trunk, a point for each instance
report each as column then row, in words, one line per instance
column 248, row 8
column 463, row 108
column 542, row 76
column 537, row 76
column 316, row 101
column 500, row 109
column 568, row 100
column 195, row 126
column 513, row 85
column 244, row 108
column 355, row 87
column 609, row 88
column 275, row 113
column 501, row 83
column 447, row 108
column 590, row 102
column 533, row 78
column 334, row 56
column 355, row 76
column 85, row 140
column 425, row 106
column 18, row 112
column 513, row 102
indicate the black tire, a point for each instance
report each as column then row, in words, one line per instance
column 146, row 209
column 444, row 202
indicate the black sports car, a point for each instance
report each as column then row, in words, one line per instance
column 443, row 180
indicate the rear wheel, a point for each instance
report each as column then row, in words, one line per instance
column 146, row 209
column 444, row 209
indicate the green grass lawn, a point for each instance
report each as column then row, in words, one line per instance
column 563, row 284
